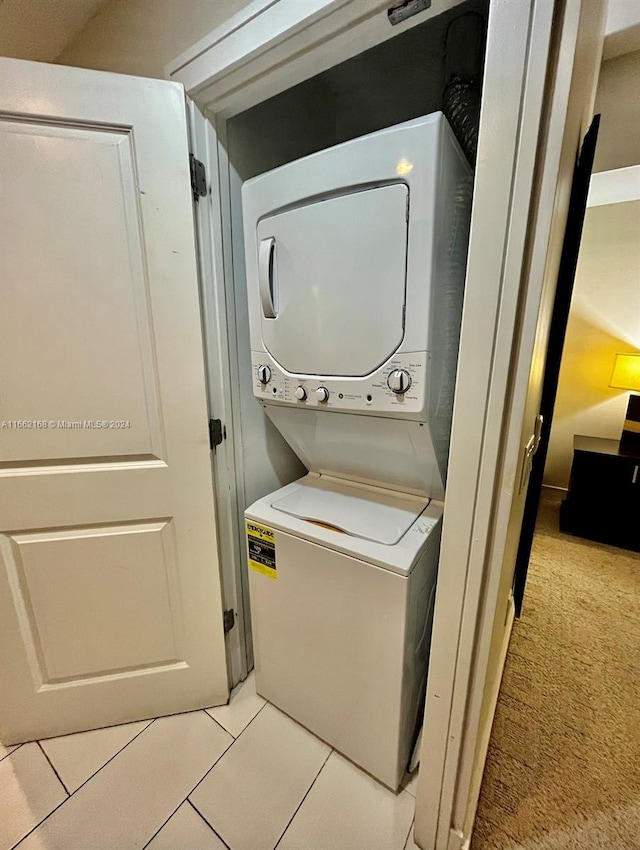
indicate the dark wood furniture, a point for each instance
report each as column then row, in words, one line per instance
column 603, row 502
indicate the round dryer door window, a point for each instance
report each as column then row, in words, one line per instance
column 333, row 276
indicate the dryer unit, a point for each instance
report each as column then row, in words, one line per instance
column 355, row 262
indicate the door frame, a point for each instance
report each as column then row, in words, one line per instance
column 218, row 329
column 275, row 44
column 570, row 93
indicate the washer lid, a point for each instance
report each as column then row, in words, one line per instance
column 355, row 509
column 332, row 277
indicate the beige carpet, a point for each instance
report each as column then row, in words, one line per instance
column 563, row 769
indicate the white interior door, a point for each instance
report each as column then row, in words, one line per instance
column 110, row 599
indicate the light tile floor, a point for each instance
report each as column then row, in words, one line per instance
column 242, row 776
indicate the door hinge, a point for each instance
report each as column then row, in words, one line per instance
column 228, row 620
column 217, row 432
column 198, row 177
column 399, row 12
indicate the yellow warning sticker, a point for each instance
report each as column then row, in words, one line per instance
column 261, row 545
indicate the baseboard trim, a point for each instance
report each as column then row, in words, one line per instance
column 482, row 748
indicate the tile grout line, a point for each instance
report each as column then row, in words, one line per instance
column 221, row 726
column 237, row 738
column 230, row 745
column 308, row 791
column 413, row 822
column 202, row 817
column 51, row 765
column 186, row 799
column 226, row 704
column 39, row 824
column 69, row 795
column 15, row 749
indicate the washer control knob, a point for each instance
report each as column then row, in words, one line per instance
column 264, row 374
column 322, row 394
column 399, row 381
column 300, row 393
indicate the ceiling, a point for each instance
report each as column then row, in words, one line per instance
column 41, row 29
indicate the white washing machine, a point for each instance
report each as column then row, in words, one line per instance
column 355, row 260
column 342, row 581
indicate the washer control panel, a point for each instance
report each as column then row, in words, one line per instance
column 397, row 387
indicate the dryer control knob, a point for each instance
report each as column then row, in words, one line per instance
column 264, row 374
column 300, row 393
column 322, row 394
column 399, row 381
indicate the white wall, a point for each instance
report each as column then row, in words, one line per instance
column 618, row 99
column 141, row 36
column 605, row 309
column 604, row 321
column 40, row 29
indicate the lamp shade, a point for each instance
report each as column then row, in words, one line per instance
column 626, row 372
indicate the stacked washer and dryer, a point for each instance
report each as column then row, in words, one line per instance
column 355, row 261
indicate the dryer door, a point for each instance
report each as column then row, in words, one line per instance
column 332, row 280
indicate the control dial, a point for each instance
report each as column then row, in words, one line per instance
column 399, row 381
column 300, row 393
column 264, row 374
column 322, row 394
